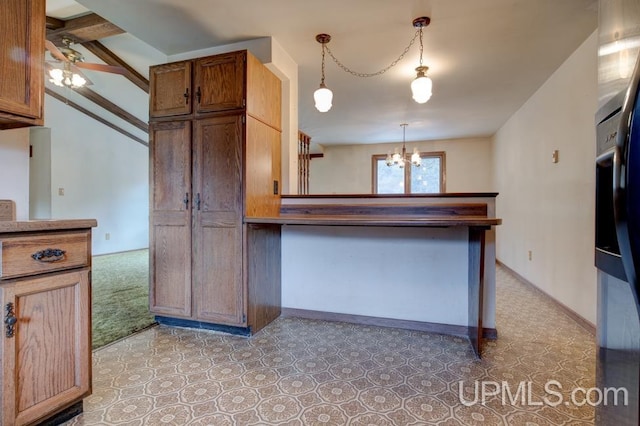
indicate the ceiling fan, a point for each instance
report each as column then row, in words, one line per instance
column 71, row 75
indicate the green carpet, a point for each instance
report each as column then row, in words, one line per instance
column 120, row 293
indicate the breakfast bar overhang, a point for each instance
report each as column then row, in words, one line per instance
column 410, row 260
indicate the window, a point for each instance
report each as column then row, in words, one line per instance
column 429, row 178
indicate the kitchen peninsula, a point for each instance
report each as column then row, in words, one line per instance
column 425, row 262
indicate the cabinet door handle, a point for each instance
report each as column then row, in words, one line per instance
column 198, row 94
column 10, row 320
column 198, row 201
column 49, row 255
column 186, row 96
column 186, row 201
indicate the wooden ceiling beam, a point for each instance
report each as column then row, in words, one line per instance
column 88, row 113
column 112, row 108
column 84, row 28
column 110, row 58
column 54, row 23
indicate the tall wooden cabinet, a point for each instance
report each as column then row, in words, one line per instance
column 22, row 35
column 215, row 158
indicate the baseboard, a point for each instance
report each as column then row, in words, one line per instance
column 121, row 252
column 430, row 327
column 582, row 322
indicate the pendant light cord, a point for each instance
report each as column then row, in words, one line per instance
column 382, row 71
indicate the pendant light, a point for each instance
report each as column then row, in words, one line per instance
column 323, row 95
column 422, row 85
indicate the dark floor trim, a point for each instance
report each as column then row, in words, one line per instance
column 64, row 415
column 582, row 322
column 177, row 322
column 430, row 327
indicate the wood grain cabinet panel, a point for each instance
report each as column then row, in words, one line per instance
column 170, row 233
column 170, row 89
column 45, row 345
column 219, row 82
column 50, row 349
column 22, row 35
column 222, row 184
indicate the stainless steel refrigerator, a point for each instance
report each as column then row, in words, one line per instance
column 617, row 245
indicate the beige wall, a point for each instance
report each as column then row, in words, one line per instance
column 346, row 169
column 545, row 207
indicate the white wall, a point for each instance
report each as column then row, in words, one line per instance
column 545, row 207
column 40, row 173
column 105, row 176
column 14, row 169
column 346, row 169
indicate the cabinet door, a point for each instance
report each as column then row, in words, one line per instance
column 22, row 26
column 47, row 361
column 170, row 233
column 218, row 280
column 170, row 89
column 220, row 82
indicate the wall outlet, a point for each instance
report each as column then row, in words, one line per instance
column 107, row 236
column 530, row 254
column 61, row 191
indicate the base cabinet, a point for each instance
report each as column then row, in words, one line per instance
column 45, row 294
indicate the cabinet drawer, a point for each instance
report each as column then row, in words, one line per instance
column 35, row 254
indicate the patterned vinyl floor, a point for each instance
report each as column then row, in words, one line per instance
column 306, row 372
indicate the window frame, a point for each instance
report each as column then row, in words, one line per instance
column 407, row 171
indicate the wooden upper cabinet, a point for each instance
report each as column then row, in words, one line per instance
column 220, row 82
column 218, row 85
column 170, row 89
column 22, row 35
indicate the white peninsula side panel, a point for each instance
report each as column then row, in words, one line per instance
column 416, row 274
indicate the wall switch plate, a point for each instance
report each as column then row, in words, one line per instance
column 554, row 156
column 107, row 236
column 530, row 254
column 61, row 191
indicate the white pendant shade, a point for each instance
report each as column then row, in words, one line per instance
column 323, row 97
column 421, row 89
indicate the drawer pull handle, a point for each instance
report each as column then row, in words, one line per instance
column 49, row 255
column 10, row 319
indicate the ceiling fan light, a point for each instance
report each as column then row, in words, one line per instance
column 56, row 75
column 421, row 86
column 323, row 97
column 77, row 80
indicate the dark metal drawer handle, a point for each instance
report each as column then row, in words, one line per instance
column 10, row 319
column 49, row 255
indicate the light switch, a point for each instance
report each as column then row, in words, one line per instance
column 554, row 156
column 61, row 191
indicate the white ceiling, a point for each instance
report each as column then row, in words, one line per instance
column 485, row 57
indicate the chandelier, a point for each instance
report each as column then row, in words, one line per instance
column 66, row 77
column 420, row 87
column 400, row 158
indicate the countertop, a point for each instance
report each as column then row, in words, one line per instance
column 376, row 220
column 46, row 225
